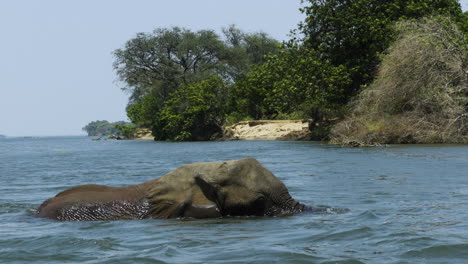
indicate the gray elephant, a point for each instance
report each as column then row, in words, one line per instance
column 199, row 190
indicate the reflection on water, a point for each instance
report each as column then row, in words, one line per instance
column 407, row 204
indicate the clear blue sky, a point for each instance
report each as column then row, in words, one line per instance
column 56, row 56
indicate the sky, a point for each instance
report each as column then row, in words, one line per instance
column 56, row 56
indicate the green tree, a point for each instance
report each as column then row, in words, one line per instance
column 194, row 112
column 153, row 66
column 126, row 130
column 294, row 81
column 143, row 112
column 102, row 128
column 159, row 62
column 355, row 32
column 245, row 50
column 464, row 25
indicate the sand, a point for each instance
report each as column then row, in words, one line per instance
column 268, row 130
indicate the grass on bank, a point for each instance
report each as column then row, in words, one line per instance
column 420, row 94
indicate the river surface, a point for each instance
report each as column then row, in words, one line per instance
column 407, row 204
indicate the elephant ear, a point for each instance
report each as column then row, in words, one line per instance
column 211, row 192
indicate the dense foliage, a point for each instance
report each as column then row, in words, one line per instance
column 186, row 85
column 126, row 130
column 103, row 128
column 420, row 94
column 295, row 83
column 354, row 33
column 155, row 66
column 194, row 112
column 160, row 62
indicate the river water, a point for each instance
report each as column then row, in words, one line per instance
column 407, row 204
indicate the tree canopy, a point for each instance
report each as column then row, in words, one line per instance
column 197, row 111
column 186, row 84
column 354, row 33
column 103, row 128
column 161, row 61
column 294, row 82
column 155, row 66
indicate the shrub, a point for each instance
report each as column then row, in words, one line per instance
column 127, row 130
column 194, row 112
column 420, row 94
column 295, row 82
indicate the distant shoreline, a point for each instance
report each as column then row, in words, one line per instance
column 56, row 136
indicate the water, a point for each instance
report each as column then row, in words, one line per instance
column 407, row 204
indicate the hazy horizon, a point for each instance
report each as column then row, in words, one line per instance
column 57, row 56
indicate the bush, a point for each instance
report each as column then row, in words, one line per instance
column 420, row 94
column 295, row 82
column 194, row 112
column 143, row 112
column 127, row 130
column 354, row 33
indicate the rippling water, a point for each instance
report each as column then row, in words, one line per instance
column 407, row 204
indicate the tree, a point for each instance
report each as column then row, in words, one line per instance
column 161, row 61
column 420, row 94
column 354, row 33
column 194, row 112
column 102, row 128
column 294, row 81
column 154, row 66
column 245, row 50
column 143, row 112
column 126, row 130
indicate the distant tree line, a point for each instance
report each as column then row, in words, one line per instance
column 185, row 85
column 105, row 128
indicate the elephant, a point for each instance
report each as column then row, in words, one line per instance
column 199, row 190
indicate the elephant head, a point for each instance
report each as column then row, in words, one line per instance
column 231, row 188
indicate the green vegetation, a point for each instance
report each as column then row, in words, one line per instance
column 105, row 128
column 160, row 62
column 158, row 68
column 186, row 85
column 420, row 94
column 294, row 82
column 355, row 33
column 125, row 130
column 194, row 112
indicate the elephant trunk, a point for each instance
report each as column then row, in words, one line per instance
column 285, row 204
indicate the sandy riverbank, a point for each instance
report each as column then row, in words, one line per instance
column 268, row 130
column 256, row 130
column 144, row 133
